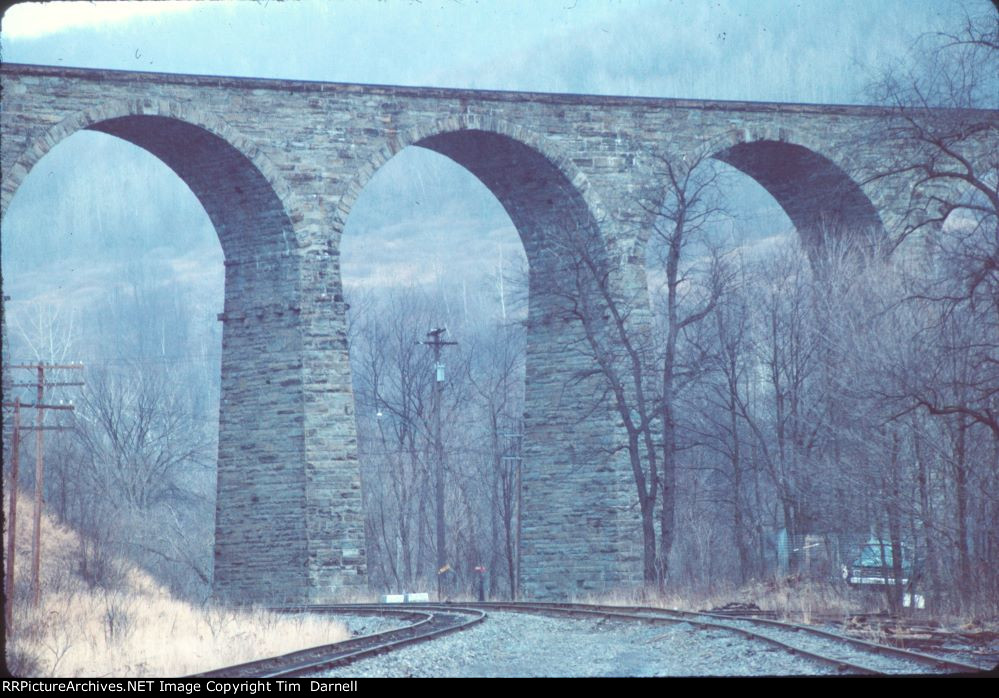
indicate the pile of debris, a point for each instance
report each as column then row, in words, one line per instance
column 736, row 608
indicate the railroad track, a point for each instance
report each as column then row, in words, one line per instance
column 918, row 635
column 845, row 654
column 428, row 621
column 423, row 623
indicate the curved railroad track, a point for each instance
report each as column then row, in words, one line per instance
column 424, row 623
column 918, row 635
column 845, row 654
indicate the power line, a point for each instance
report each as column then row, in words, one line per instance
column 190, row 359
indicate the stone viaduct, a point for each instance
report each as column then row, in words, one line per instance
column 277, row 165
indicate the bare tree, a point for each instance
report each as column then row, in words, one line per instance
column 943, row 121
column 394, row 382
column 137, row 442
column 619, row 342
column 391, row 376
column 499, row 384
column 137, row 435
column 945, row 124
column 48, row 331
column 634, row 347
column 694, row 277
column 721, row 427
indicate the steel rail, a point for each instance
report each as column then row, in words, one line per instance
column 912, row 634
column 698, row 619
column 434, row 622
column 877, row 648
column 429, row 623
column 629, row 614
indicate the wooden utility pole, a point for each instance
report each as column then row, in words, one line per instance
column 36, row 546
column 517, row 458
column 15, row 449
column 436, row 343
column 39, row 429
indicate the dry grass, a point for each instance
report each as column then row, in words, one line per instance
column 791, row 599
column 797, row 600
column 137, row 629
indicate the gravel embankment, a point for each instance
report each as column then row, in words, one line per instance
column 515, row 644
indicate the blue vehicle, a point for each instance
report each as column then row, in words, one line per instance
column 873, row 567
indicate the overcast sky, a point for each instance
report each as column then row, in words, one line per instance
column 809, row 50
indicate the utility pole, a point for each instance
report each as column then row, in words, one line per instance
column 15, row 448
column 517, row 458
column 36, row 547
column 39, row 429
column 437, row 343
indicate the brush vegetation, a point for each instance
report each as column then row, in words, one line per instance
column 129, row 625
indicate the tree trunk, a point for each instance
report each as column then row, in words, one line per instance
column 926, row 518
column 965, row 583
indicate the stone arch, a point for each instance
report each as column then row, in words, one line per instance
column 816, row 191
column 261, row 534
column 202, row 149
column 567, row 426
column 448, row 136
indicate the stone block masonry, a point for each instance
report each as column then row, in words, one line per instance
column 277, row 165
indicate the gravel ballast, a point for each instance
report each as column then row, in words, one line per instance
column 527, row 645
